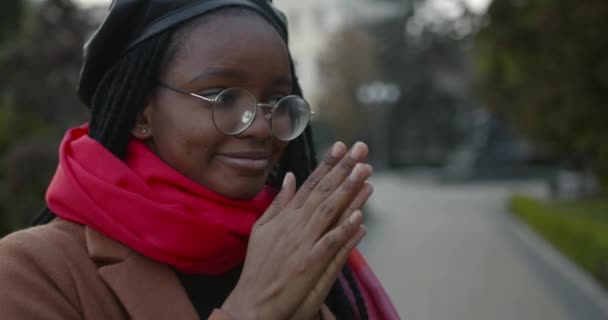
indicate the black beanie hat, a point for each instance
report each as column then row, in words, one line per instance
column 130, row 22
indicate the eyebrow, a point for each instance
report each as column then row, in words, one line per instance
column 220, row 72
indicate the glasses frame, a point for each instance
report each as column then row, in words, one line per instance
column 259, row 105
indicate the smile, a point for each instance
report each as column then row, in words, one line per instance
column 246, row 161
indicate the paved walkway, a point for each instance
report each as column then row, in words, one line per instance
column 452, row 252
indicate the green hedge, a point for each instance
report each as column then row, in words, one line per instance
column 579, row 229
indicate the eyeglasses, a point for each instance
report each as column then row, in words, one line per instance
column 234, row 109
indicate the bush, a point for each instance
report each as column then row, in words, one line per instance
column 579, row 229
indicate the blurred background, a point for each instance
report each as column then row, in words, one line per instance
column 487, row 122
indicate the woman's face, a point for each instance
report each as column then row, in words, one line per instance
column 241, row 51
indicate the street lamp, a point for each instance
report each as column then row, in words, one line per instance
column 377, row 97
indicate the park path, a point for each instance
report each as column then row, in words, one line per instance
column 452, row 252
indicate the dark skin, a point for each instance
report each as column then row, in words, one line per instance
column 179, row 127
column 300, row 244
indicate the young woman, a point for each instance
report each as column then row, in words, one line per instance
column 191, row 191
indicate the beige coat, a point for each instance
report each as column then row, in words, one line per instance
column 64, row 270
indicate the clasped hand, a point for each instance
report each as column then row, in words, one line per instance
column 300, row 244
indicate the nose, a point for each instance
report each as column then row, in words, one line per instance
column 260, row 126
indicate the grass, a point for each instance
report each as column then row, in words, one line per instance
column 579, row 229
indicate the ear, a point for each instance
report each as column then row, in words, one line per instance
column 143, row 123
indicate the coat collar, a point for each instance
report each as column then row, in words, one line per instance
column 146, row 289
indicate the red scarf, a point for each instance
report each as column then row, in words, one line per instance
column 150, row 207
column 377, row 302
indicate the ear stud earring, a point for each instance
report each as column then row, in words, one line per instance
column 144, row 131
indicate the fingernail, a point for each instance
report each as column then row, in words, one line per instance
column 357, row 151
column 355, row 217
column 356, row 173
column 337, row 150
column 285, row 179
column 371, row 189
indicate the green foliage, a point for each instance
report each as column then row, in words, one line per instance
column 543, row 64
column 5, row 120
column 579, row 229
column 38, row 102
column 11, row 14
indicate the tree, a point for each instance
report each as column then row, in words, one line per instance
column 38, row 92
column 431, row 68
column 10, row 18
column 346, row 64
column 11, row 14
column 543, row 65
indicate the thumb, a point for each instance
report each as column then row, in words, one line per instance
column 282, row 198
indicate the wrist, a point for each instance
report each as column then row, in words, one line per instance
column 237, row 309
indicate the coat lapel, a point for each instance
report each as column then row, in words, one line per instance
column 147, row 289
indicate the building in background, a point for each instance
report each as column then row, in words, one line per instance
column 312, row 22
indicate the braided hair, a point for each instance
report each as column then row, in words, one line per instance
column 120, row 97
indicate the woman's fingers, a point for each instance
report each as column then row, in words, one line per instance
column 336, row 177
column 298, row 239
column 359, row 201
column 331, row 242
column 294, row 250
column 335, row 154
column 331, row 209
column 324, row 180
column 318, row 294
column 337, row 263
column 280, row 201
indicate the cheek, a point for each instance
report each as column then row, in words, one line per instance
column 280, row 146
column 197, row 144
column 185, row 139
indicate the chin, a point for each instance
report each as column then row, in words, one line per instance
column 242, row 188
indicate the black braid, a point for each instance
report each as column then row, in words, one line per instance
column 348, row 274
column 118, row 99
column 299, row 158
column 120, row 96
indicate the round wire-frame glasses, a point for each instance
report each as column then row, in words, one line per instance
column 234, row 109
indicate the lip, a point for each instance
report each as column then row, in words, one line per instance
column 248, row 161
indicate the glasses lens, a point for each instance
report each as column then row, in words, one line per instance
column 290, row 117
column 233, row 110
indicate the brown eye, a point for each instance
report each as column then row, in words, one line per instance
column 211, row 93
